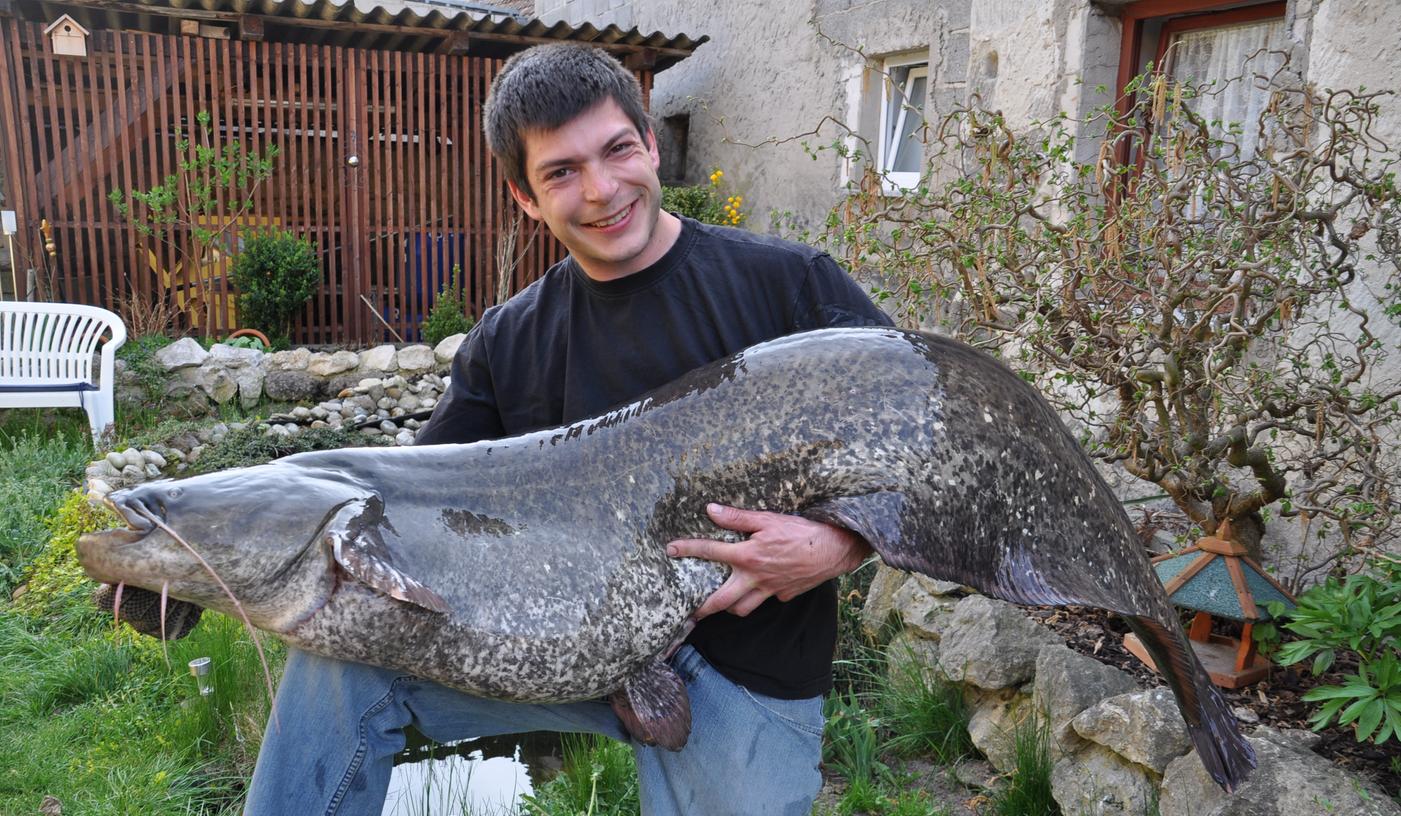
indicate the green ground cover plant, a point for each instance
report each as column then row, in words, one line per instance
column 599, row 778
column 1360, row 615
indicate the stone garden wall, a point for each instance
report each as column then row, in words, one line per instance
column 1118, row 750
column 379, row 392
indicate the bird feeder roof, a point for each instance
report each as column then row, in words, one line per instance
column 1230, row 586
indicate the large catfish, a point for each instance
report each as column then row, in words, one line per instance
column 533, row 568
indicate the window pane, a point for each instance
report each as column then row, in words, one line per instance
column 1215, row 55
column 907, row 150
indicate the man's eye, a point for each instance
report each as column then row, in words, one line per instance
column 560, row 173
column 622, row 148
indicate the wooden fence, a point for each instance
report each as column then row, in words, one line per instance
column 420, row 195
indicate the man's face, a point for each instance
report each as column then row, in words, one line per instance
column 596, row 188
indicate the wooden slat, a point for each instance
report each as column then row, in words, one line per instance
column 425, row 197
column 1247, row 603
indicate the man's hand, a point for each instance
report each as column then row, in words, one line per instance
column 783, row 557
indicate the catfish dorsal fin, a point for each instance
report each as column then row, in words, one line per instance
column 654, row 707
column 357, row 545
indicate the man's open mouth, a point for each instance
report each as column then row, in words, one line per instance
column 613, row 220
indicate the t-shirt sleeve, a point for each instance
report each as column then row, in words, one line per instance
column 829, row 298
column 468, row 411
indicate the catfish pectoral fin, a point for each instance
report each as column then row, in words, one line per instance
column 357, row 545
column 1224, row 753
column 654, row 707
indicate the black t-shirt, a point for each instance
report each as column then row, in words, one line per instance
column 568, row 347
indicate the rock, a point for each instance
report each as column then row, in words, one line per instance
column 975, row 774
column 908, row 649
column 1066, row 684
column 428, row 402
column 322, row 364
column 183, row 353
column 388, row 427
column 153, row 458
column 1245, row 715
column 409, row 402
column 417, row 358
column 301, row 413
column 290, row 385
column 380, row 358
column 1143, row 726
column 993, row 725
column 977, row 621
column 218, row 384
column 116, row 460
column 152, row 472
column 290, row 360
column 98, row 489
column 404, row 438
column 250, row 385
column 447, row 349
column 233, row 357
column 132, row 456
column 922, row 609
column 131, row 474
column 1290, row 781
column 1098, row 782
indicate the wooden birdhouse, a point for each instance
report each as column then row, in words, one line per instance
column 1215, row 577
column 67, row 37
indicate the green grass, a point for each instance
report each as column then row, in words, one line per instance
column 103, row 724
column 924, row 713
column 599, row 778
column 1027, row 791
column 40, row 463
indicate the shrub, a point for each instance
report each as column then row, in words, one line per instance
column 275, row 274
column 56, row 582
column 449, row 313
column 140, row 357
column 249, row 446
column 703, row 202
column 1361, row 614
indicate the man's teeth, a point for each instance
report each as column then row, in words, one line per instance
column 615, row 219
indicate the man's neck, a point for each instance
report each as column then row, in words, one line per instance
column 664, row 237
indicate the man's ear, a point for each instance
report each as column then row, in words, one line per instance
column 524, row 199
column 651, row 140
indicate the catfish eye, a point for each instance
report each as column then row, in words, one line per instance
column 176, row 492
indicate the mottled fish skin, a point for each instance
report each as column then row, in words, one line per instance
column 547, row 549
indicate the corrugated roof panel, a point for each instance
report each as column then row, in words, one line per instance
column 366, row 25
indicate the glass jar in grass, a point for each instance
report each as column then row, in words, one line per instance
column 449, row 313
column 275, row 273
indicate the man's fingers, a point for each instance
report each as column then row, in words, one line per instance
column 733, row 518
column 706, row 548
column 731, row 592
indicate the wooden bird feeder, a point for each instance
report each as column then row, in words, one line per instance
column 67, row 37
column 1215, row 577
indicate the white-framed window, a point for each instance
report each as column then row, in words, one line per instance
column 900, row 151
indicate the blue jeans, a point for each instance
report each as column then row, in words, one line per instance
column 338, row 725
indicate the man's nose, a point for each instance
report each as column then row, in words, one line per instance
column 599, row 184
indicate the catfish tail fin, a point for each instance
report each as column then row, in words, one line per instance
column 1223, row 751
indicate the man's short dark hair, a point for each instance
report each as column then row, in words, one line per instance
column 544, row 87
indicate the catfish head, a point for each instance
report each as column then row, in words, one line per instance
column 269, row 542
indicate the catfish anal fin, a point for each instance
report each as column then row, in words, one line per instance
column 654, row 707
column 358, row 547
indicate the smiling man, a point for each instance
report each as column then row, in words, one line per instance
column 643, row 297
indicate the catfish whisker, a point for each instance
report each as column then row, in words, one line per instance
column 117, row 603
column 247, row 624
column 165, row 647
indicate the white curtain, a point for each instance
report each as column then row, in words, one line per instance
column 1248, row 54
